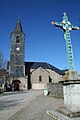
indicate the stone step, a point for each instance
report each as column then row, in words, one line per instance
column 63, row 110
column 58, row 116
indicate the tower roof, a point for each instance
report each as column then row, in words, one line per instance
column 18, row 27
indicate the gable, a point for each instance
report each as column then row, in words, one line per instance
column 40, row 69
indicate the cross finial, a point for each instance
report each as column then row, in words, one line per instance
column 19, row 19
column 64, row 13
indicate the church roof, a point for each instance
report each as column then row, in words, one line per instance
column 35, row 65
column 18, row 27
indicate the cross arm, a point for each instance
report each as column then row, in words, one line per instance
column 56, row 24
column 75, row 28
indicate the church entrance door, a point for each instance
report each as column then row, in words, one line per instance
column 16, row 85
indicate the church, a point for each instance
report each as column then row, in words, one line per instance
column 28, row 75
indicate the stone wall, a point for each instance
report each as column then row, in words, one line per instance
column 55, row 89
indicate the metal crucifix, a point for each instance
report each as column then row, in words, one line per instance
column 67, row 27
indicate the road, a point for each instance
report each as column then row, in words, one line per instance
column 30, row 105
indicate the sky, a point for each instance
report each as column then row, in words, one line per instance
column 43, row 42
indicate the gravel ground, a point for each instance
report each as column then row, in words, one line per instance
column 36, row 109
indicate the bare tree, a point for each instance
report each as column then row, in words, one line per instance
column 2, row 60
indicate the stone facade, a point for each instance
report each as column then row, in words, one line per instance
column 17, row 54
column 56, row 77
column 40, row 77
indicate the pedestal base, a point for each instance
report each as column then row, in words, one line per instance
column 67, row 112
column 63, row 114
column 71, row 75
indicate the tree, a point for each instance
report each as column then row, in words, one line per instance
column 2, row 60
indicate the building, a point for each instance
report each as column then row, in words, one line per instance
column 40, row 73
column 28, row 75
column 17, row 57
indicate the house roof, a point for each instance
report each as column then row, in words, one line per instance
column 35, row 65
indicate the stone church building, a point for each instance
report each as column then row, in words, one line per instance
column 28, row 75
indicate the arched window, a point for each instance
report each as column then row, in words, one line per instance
column 17, row 39
column 40, row 78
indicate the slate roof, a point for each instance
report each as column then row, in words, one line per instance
column 28, row 66
column 44, row 65
column 18, row 27
column 36, row 65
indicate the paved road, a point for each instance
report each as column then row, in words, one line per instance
column 36, row 109
column 11, row 103
column 30, row 105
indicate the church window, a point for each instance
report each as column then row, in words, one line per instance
column 50, row 80
column 17, row 39
column 40, row 78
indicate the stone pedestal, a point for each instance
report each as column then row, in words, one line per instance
column 71, row 108
column 71, row 92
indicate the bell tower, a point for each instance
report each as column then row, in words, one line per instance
column 17, row 52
